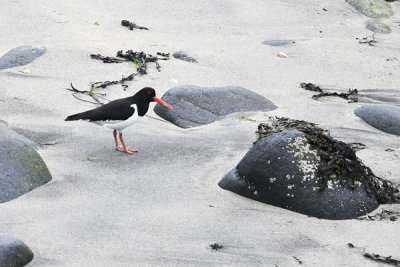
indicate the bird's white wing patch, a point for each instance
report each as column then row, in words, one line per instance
column 121, row 124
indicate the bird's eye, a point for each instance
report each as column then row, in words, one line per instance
column 149, row 92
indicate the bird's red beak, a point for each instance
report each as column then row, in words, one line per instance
column 162, row 102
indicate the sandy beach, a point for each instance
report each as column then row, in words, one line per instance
column 162, row 206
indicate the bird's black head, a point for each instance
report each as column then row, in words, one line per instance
column 147, row 95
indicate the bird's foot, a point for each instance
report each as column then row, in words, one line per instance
column 127, row 150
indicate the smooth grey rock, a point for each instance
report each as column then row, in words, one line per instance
column 278, row 42
column 183, row 56
column 372, row 8
column 21, row 167
column 13, row 252
column 194, row 106
column 20, row 56
column 378, row 26
column 384, row 117
column 281, row 170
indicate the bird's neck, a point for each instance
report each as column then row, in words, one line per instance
column 142, row 108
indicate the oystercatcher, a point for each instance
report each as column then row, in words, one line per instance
column 121, row 113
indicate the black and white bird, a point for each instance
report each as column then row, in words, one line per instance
column 121, row 113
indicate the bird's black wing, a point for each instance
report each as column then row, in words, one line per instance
column 119, row 109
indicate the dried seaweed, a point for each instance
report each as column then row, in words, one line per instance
column 106, row 59
column 377, row 257
column 338, row 161
column 311, row 87
column 357, row 146
column 384, row 215
column 132, row 25
column 215, row 246
column 298, row 260
column 96, row 96
column 382, row 259
column 108, row 83
column 165, row 56
column 351, row 95
column 370, row 40
column 141, row 58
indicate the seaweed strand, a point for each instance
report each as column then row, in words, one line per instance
column 106, row 59
column 351, row 95
column 132, row 25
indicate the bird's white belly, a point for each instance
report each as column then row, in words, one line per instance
column 121, row 124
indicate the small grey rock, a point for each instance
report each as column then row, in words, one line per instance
column 194, row 106
column 13, row 252
column 378, row 26
column 20, row 56
column 278, row 42
column 183, row 56
column 383, row 117
column 21, row 167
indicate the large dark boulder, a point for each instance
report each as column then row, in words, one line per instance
column 13, row 252
column 308, row 172
column 195, row 106
column 20, row 56
column 384, row 117
column 21, row 167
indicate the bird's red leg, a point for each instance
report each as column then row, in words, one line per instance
column 117, row 147
column 125, row 149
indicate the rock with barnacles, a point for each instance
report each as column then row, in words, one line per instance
column 298, row 166
column 195, row 106
column 21, row 167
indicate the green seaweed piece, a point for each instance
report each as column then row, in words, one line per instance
column 47, row 143
column 137, row 62
column 245, row 118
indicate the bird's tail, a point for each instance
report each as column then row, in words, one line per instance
column 74, row 117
